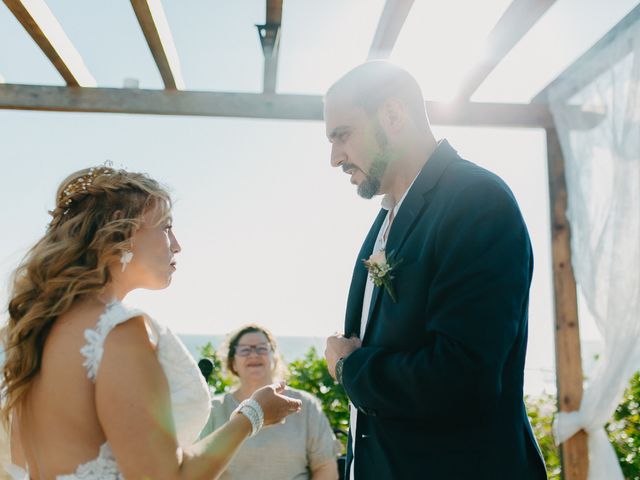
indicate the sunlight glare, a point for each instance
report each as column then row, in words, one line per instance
column 442, row 41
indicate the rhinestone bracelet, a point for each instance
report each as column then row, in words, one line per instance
column 253, row 411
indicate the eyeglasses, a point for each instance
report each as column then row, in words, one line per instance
column 245, row 350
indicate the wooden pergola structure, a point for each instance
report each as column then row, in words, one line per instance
column 81, row 95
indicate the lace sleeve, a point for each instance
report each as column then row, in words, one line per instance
column 115, row 314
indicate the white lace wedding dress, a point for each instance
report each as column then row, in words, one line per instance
column 190, row 399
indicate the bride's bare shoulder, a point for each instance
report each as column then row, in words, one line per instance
column 81, row 315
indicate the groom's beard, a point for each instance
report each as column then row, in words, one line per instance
column 370, row 186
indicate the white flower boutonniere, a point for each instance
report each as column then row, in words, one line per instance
column 381, row 270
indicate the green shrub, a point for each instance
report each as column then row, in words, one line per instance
column 541, row 411
column 623, row 430
column 219, row 380
column 311, row 375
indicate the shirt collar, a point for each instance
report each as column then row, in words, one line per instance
column 387, row 200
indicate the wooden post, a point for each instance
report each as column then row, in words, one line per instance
column 574, row 452
column 271, row 44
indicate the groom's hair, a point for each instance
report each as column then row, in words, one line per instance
column 368, row 86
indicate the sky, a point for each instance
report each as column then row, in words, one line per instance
column 270, row 232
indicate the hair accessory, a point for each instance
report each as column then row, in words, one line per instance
column 125, row 259
column 81, row 184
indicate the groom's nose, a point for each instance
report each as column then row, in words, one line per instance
column 338, row 156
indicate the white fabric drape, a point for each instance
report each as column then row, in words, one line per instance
column 603, row 182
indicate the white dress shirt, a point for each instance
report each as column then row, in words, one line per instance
column 380, row 244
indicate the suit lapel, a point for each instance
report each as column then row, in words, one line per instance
column 410, row 211
column 414, row 202
column 359, row 280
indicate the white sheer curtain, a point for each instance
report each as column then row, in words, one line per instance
column 603, row 183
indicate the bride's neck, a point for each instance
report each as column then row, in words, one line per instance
column 112, row 292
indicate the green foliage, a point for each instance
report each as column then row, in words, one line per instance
column 219, row 380
column 623, row 430
column 541, row 411
column 311, row 375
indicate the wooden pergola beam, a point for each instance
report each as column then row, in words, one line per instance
column 392, row 19
column 155, row 28
column 470, row 114
column 249, row 105
column 44, row 29
column 160, row 102
column 584, row 70
column 270, row 41
column 515, row 22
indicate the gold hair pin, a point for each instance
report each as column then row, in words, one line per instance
column 82, row 183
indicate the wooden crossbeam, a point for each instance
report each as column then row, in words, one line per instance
column 393, row 16
column 270, row 41
column 160, row 102
column 516, row 21
column 42, row 26
column 155, row 28
column 488, row 114
column 221, row 104
column 584, row 70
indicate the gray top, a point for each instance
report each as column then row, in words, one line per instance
column 279, row 452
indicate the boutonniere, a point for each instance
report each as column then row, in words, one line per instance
column 381, row 269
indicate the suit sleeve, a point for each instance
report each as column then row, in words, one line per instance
column 476, row 302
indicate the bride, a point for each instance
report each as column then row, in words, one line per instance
column 94, row 389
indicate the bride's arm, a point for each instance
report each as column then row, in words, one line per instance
column 134, row 409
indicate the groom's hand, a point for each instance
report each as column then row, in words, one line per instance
column 339, row 346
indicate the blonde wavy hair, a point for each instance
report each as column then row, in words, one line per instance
column 97, row 212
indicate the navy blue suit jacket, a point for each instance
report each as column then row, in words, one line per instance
column 438, row 381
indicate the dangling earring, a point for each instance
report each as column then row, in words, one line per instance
column 125, row 259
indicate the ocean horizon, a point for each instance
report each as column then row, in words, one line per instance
column 290, row 347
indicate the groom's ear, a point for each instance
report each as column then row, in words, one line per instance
column 392, row 115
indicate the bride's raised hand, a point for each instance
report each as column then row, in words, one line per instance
column 275, row 405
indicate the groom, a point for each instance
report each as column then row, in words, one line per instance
column 436, row 325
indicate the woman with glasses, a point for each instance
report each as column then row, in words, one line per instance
column 303, row 447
